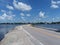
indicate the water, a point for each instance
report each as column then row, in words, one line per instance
column 5, row 29
column 54, row 27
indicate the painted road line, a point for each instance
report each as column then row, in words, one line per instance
column 32, row 37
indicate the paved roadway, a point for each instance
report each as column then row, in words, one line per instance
column 46, row 37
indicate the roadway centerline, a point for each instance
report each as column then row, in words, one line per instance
column 32, row 37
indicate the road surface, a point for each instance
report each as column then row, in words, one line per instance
column 46, row 37
column 16, row 37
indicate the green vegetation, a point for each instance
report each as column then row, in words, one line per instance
column 34, row 23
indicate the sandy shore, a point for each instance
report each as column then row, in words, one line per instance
column 16, row 37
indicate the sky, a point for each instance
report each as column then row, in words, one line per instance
column 29, row 11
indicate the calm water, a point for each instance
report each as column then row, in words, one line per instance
column 55, row 27
column 5, row 29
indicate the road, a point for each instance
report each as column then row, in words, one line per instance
column 46, row 37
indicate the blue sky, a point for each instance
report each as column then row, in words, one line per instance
column 29, row 11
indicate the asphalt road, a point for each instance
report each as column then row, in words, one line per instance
column 46, row 37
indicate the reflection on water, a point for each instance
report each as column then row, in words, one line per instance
column 5, row 29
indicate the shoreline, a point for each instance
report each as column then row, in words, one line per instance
column 16, row 37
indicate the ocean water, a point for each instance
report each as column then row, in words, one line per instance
column 54, row 27
column 4, row 29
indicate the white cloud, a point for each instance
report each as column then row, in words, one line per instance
column 42, row 14
column 21, row 6
column 53, row 19
column 5, row 16
column 58, row 2
column 55, row 4
column 3, row 11
column 58, row 17
column 28, row 15
column 22, row 14
column 23, row 18
column 9, row 7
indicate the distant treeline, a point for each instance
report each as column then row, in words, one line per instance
column 47, row 23
column 34, row 23
column 12, row 23
column 55, row 23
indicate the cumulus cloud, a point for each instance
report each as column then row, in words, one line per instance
column 55, row 4
column 22, row 14
column 23, row 18
column 21, row 6
column 9, row 7
column 58, row 18
column 42, row 14
column 53, row 19
column 3, row 11
column 28, row 15
column 5, row 16
column 58, row 2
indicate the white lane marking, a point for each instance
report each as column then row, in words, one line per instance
column 40, row 43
